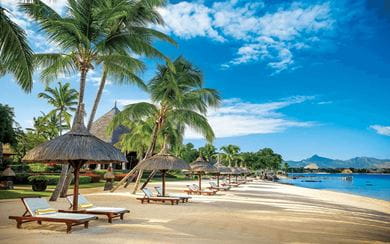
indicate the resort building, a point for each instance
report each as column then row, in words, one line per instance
column 312, row 167
column 99, row 129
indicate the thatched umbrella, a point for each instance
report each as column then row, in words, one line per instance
column 201, row 166
column 222, row 170
column 77, row 147
column 163, row 161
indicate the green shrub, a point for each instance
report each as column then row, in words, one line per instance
column 100, row 172
column 38, row 167
column 53, row 179
column 22, row 178
column 37, row 178
column 85, row 180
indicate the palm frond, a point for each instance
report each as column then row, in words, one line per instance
column 15, row 53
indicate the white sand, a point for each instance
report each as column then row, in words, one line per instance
column 260, row 212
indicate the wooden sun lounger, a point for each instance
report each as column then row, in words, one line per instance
column 191, row 190
column 230, row 184
column 183, row 198
column 214, row 186
column 39, row 203
column 148, row 197
column 111, row 213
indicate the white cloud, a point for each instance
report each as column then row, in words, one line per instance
column 189, row 20
column 238, row 118
column 124, row 102
column 268, row 36
column 381, row 130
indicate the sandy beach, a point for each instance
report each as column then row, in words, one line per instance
column 257, row 212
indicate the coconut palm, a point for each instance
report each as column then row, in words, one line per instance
column 130, row 29
column 81, row 36
column 178, row 97
column 63, row 99
column 15, row 53
column 230, row 153
column 208, row 151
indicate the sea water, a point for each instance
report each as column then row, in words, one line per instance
column 370, row 185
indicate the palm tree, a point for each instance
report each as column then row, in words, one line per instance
column 63, row 99
column 230, row 153
column 208, row 152
column 131, row 30
column 15, row 53
column 178, row 97
column 179, row 100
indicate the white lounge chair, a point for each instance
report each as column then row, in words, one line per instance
column 183, row 198
column 87, row 207
column 38, row 209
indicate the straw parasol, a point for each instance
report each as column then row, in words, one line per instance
column 201, row 166
column 163, row 161
column 77, row 147
column 222, row 170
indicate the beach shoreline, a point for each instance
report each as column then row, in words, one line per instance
column 256, row 212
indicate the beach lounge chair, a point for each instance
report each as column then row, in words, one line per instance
column 183, row 198
column 149, row 197
column 214, row 186
column 230, row 184
column 87, row 207
column 38, row 209
column 194, row 189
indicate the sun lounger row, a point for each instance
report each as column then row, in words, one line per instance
column 39, row 210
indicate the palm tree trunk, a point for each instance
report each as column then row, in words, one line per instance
column 149, row 152
column 97, row 99
column 83, row 77
column 152, row 146
column 65, row 185
column 61, row 183
column 69, row 178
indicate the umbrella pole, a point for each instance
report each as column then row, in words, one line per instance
column 200, row 181
column 236, row 178
column 76, row 172
column 229, row 178
column 163, row 183
column 218, row 180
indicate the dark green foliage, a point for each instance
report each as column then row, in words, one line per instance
column 263, row 159
column 186, row 152
column 7, row 131
column 53, row 179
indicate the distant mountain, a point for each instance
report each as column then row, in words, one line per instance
column 358, row 162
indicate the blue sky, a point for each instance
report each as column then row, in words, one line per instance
column 301, row 77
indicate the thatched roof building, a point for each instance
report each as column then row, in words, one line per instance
column 99, row 127
column 311, row 166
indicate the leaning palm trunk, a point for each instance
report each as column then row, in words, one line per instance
column 56, row 193
column 69, row 178
column 97, row 99
column 64, row 169
column 150, row 151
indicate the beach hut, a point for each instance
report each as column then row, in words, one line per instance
column 77, row 148
column 201, row 166
column 311, row 167
column 163, row 161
